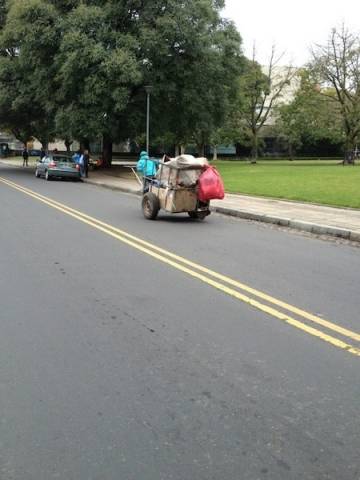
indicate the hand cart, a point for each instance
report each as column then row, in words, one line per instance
column 173, row 189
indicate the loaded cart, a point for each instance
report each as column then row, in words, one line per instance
column 174, row 188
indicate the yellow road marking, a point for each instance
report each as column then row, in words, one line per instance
column 309, row 316
column 173, row 260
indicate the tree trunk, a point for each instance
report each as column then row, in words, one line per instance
column 349, row 158
column 85, row 144
column 68, row 144
column 254, row 147
column 201, row 149
column 179, row 150
column 215, row 152
column 44, row 142
column 107, row 151
column 350, row 142
column 291, row 151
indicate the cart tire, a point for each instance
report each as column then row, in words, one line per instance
column 150, row 205
column 199, row 215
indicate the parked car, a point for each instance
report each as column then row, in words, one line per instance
column 95, row 163
column 34, row 153
column 60, row 166
column 4, row 149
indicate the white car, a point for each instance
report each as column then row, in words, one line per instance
column 59, row 166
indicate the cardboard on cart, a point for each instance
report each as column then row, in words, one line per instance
column 177, row 200
column 184, row 170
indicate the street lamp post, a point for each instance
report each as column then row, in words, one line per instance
column 148, row 90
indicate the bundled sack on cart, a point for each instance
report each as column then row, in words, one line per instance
column 211, row 186
column 183, row 170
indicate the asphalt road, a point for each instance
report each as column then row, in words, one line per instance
column 120, row 361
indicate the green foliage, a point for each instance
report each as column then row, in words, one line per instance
column 96, row 70
column 261, row 93
column 311, row 117
column 3, row 12
column 28, row 41
column 336, row 66
column 195, row 61
column 77, row 68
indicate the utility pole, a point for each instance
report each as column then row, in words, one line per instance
column 148, row 90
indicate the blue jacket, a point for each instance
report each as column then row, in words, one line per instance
column 146, row 166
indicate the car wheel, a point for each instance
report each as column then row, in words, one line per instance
column 47, row 176
column 37, row 174
column 150, row 205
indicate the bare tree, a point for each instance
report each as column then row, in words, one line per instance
column 336, row 65
column 262, row 89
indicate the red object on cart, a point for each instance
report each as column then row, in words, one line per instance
column 211, row 186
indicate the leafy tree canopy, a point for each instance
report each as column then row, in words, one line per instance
column 77, row 68
column 336, row 66
column 310, row 118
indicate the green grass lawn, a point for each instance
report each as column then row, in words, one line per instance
column 324, row 182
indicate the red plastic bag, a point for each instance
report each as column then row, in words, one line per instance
column 210, row 185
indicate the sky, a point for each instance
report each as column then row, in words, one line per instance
column 291, row 25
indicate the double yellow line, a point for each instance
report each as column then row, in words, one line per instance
column 235, row 289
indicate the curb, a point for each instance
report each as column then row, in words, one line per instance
column 282, row 221
column 112, row 187
column 288, row 222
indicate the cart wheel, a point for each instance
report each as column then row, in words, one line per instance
column 150, row 205
column 199, row 215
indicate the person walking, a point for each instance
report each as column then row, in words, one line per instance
column 86, row 159
column 25, row 155
column 76, row 157
column 147, row 167
column 80, row 162
column 42, row 153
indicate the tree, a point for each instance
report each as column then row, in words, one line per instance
column 27, row 42
column 310, row 119
column 337, row 65
column 77, row 68
column 261, row 93
column 176, row 47
column 231, row 131
column 193, row 60
column 221, row 136
column 96, row 72
column 3, row 13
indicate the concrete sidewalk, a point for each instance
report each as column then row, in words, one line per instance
column 321, row 220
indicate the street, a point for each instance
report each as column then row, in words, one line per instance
column 170, row 349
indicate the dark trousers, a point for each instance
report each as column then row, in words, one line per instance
column 148, row 180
